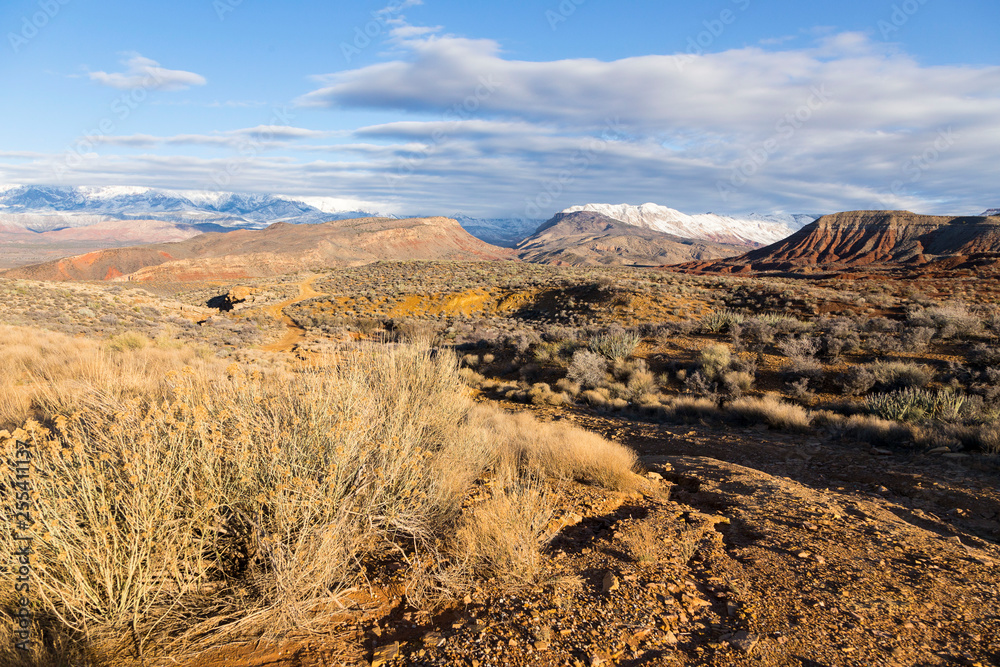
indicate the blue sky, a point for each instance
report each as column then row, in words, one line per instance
column 512, row 108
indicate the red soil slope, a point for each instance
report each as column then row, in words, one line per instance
column 280, row 248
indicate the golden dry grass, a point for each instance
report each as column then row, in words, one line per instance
column 177, row 500
column 770, row 410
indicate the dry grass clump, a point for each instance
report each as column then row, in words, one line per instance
column 45, row 372
column 690, row 408
column 237, row 499
column 502, row 537
column 867, row 428
column 561, row 451
column 770, row 410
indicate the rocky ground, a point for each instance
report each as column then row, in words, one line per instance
column 759, row 548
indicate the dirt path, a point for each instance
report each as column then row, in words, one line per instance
column 294, row 333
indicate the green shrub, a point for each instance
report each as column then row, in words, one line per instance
column 916, row 405
column 721, row 320
column 616, row 344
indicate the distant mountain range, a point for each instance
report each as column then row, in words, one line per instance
column 991, row 212
column 36, row 208
column 41, row 222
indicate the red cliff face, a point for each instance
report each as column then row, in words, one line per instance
column 870, row 239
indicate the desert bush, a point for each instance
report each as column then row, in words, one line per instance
column 471, row 377
column 416, row 332
column 47, row 372
column 984, row 355
column 616, row 344
column 989, row 438
column 541, row 394
column 951, row 321
column 757, row 332
column 713, row 360
column 800, row 351
column 568, row 387
column 595, row 398
column 779, row 321
column 856, row 380
column 917, row 339
column 799, row 389
column 883, row 343
column 770, row 410
column 641, row 382
column 249, row 496
column 798, row 347
column 737, row 382
column 587, row 368
column 697, row 384
column 901, row 374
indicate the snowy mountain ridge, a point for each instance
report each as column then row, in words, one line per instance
column 44, row 208
column 751, row 230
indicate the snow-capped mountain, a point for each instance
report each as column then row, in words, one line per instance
column 991, row 211
column 44, row 208
column 751, row 230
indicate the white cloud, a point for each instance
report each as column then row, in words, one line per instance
column 842, row 124
column 263, row 136
column 142, row 72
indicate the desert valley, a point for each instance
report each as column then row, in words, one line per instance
column 385, row 441
column 554, row 333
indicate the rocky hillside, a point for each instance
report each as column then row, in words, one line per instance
column 280, row 248
column 589, row 238
column 874, row 239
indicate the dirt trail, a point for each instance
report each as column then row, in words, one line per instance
column 294, row 332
